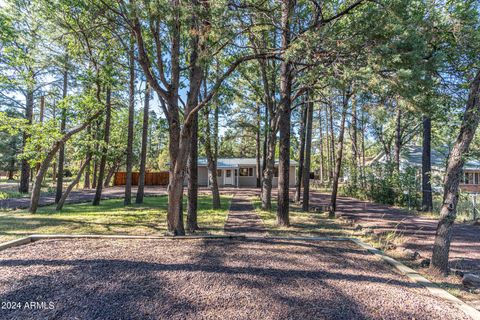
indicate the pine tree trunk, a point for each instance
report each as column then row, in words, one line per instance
column 448, row 212
column 308, row 153
column 61, row 152
column 332, row 144
column 354, row 145
column 258, row 148
column 192, row 224
column 338, row 162
column 131, row 113
column 427, row 201
column 143, row 154
column 398, row 138
column 265, row 145
column 301, row 154
column 212, row 155
column 267, row 181
column 70, row 187
column 284, row 121
column 86, row 182
column 106, row 140
column 25, row 166
column 320, row 138
column 114, row 168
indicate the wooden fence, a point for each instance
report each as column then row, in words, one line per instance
column 151, row 178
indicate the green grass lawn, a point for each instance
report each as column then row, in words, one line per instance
column 302, row 224
column 111, row 217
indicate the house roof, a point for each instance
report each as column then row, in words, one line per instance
column 412, row 156
column 236, row 162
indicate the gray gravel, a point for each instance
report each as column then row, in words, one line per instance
column 209, row 279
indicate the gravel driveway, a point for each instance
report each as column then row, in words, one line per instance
column 213, row 279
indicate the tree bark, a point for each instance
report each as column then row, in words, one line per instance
column 25, row 166
column 114, row 168
column 332, row 144
column 143, row 154
column 427, row 202
column 398, row 138
column 265, row 146
column 308, row 153
column 258, row 148
column 70, row 187
column 106, row 141
column 448, row 212
column 338, row 162
column 301, row 154
column 212, row 156
column 283, row 207
column 131, row 113
column 269, row 170
column 35, row 196
column 320, row 138
column 61, row 152
column 354, row 135
column 192, row 223
column 86, row 182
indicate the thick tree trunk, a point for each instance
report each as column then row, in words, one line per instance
column 338, row 163
column 61, row 152
column 192, row 224
column 258, row 148
column 320, row 138
column 143, row 154
column 25, row 166
column 131, row 112
column 398, row 138
column 308, row 153
column 265, row 145
column 448, row 212
column 427, row 202
column 267, row 180
column 70, row 187
column 106, row 140
column 284, row 121
column 301, row 154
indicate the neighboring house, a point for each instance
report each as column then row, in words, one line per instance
column 411, row 156
column 239, row 172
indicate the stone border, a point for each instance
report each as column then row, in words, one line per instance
column 419, row 279
column 398, row 266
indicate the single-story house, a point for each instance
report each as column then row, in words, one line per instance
column 239, row 172
column 411, row 156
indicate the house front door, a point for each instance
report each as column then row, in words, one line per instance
column 228, row 177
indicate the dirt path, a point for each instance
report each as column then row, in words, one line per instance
column 78, row 196
column 209, row 279
column 242, row 219
column 418, row 232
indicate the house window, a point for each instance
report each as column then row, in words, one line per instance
column 471, row 178
column 246, row 172
column 219, row 173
